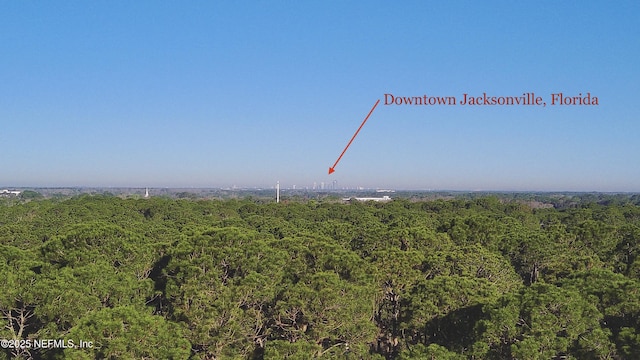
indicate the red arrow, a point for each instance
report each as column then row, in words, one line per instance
column 332, row 169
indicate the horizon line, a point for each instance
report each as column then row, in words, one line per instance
column 263, row 188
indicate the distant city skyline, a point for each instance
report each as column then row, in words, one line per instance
column 215, row 94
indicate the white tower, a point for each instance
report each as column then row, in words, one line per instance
column 278, row 192
column 146, row 193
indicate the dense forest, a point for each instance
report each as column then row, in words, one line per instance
column 475, row 278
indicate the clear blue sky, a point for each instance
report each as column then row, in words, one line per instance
column 216, row 94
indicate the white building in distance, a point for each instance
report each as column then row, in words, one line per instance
column 384, row 198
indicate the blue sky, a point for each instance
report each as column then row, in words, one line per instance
column 217, row 94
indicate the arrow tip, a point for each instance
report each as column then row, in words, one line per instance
column 331, row 170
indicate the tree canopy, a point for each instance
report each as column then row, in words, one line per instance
column 476, row 278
